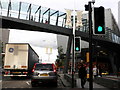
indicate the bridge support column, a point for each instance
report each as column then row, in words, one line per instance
column 112, row 61
column 68, row 54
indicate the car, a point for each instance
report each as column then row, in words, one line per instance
column 44, row 73
column 105, row 73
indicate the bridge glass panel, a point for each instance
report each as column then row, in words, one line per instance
column 23, row 12
column 44, row 14
column 4, row 4
column 14, row 9
column 37, row 15
column 61, row 19
column 53, row 16
column 33, row 10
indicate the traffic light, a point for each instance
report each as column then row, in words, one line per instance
column 99, row 21
column 77, row 44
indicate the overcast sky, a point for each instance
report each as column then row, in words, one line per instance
column 78, row 4
column 41, row 42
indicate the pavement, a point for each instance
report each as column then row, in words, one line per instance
column 78, row 83
column 112, row 77
column 64, row 81
column 110, row 81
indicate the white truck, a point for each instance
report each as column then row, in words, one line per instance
column 19, row 59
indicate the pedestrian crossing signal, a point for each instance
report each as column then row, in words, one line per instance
column 77, row 44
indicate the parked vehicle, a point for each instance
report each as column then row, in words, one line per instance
column 105, row 73
column 19, row 59
column 44, row 73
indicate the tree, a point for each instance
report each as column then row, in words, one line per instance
column 60, row 57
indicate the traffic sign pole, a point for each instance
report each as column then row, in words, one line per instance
column 73, row 50
column 90, row 47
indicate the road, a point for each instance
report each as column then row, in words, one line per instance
column 7, row 82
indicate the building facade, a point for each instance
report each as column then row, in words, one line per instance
column 4, row 37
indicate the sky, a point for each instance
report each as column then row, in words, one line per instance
column 50, row 40
column 41, row 42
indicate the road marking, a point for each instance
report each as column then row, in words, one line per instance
column 28, row 83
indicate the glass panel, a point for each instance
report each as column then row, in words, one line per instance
column 33, row 10
column 43, row 67
column 52, row 11
column 53, row 18
column 4, row 4
column 61, row 21
column 24, row 8
column 14, row 9
column 45, row 16
column 36, row 16
column 15, row 5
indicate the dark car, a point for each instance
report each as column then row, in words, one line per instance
column 44, row 73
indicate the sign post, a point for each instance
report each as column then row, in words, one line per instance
column 90, row 48
column 73, row 50
column 89, row 9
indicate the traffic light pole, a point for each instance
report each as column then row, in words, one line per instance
column 90, row 48
column 73, row 58
column 73, row 50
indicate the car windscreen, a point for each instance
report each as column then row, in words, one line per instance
column 44, row 67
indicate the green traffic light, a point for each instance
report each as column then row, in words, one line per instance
column 76, row 48
column 100, row 29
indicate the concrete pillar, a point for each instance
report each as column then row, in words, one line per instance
column 68, row 54
column 112, row 59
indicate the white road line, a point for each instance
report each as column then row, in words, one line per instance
column 28, row 83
